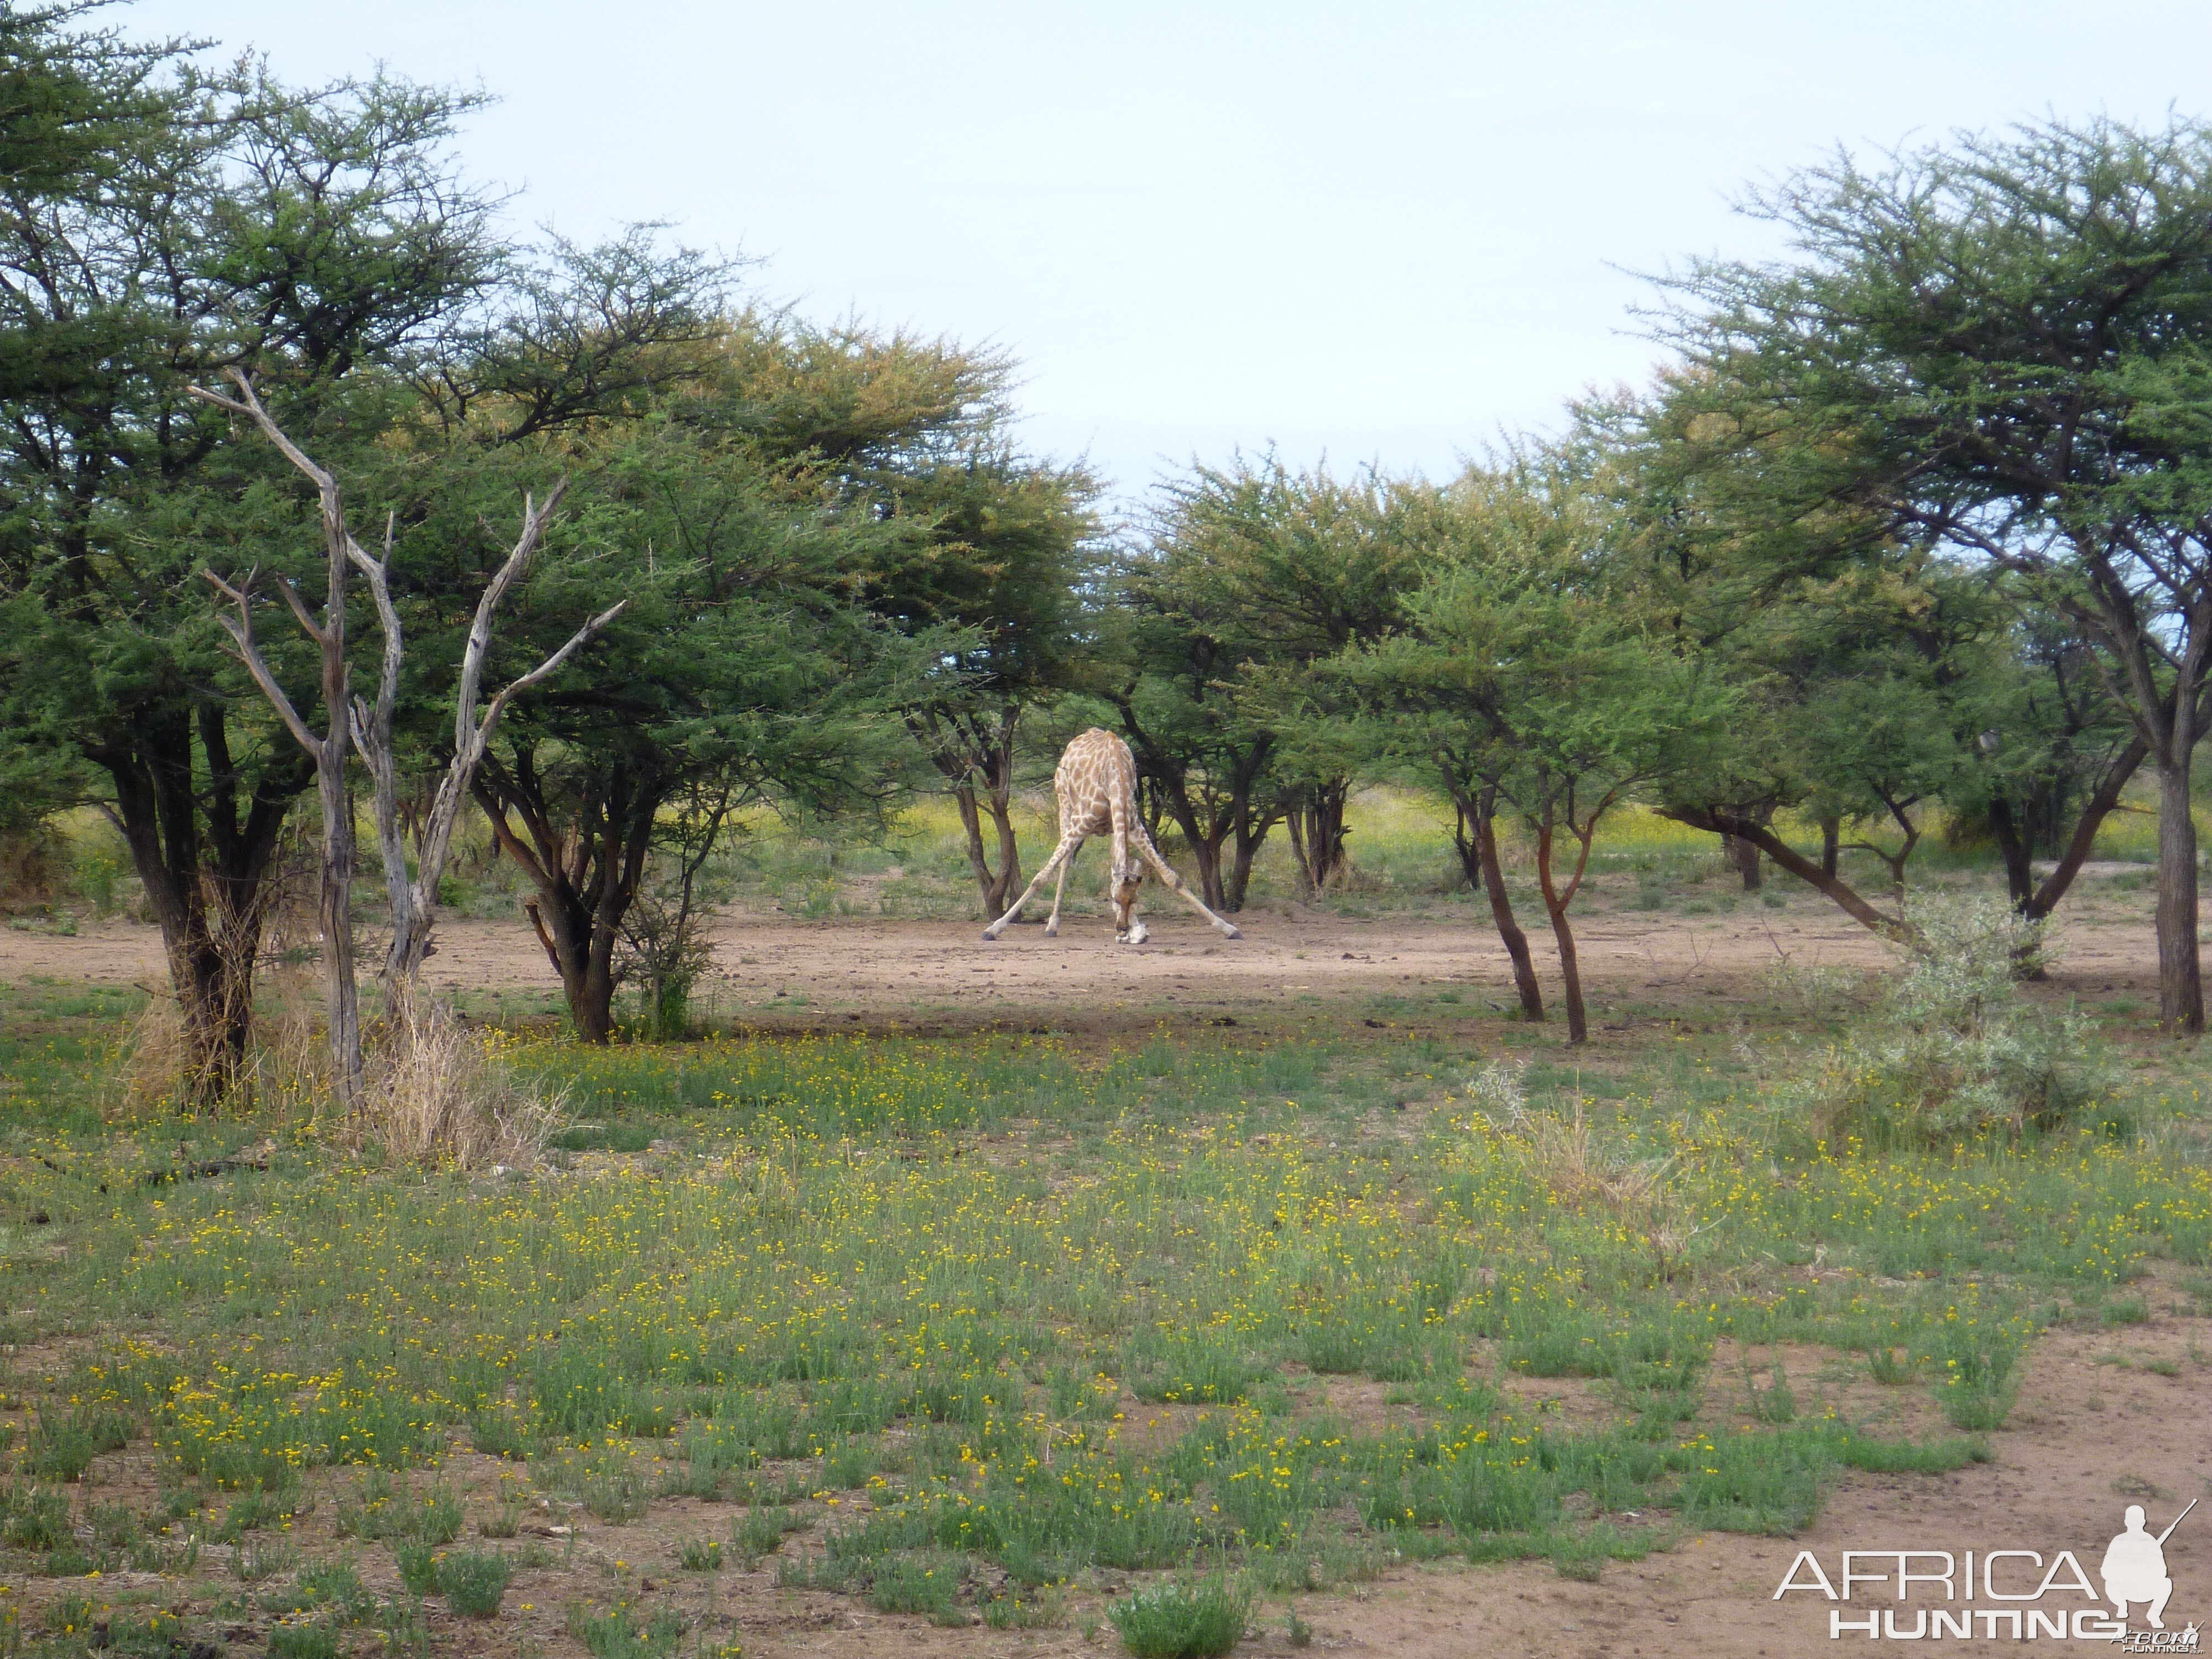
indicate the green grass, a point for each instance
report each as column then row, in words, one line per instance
column 1054, row 1311
column 1182, row 1620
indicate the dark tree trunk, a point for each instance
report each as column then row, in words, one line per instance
column 1556, row 901
column 1467, row 840
column 1002, row 886
column 2013, row 847
column 1244, row 848
column 1224, row 838
column 1746, row 864
column 585, row 878
column 204, row 869
column 2180, row 982
column 1721, row 821
column 976, row 756
column 1831, row 846
column 1317, row 833
column 1501, row 910
column 2102, row 801
column 1205, row 852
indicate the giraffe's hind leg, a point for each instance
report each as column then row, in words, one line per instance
column 1069, row 844
column 1167, row 875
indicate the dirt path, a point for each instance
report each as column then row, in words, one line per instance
column 771, row 967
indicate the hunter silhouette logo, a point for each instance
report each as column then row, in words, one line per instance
column 2134, row 1566
column 2004, row 1593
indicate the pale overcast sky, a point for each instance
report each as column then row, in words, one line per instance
column 1377, row 231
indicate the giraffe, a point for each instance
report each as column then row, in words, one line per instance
column 1097, row 785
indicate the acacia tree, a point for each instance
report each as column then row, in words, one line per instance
column 1527, row 673
column 1998, row 345
column 1306, row 565
column 156, row 225
column 1252, row 574
column 1008, row 546
column 1804, row 599
column 742, row 667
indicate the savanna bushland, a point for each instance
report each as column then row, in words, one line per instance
column 507, row 1135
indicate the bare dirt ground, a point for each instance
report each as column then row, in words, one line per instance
column 777, row 971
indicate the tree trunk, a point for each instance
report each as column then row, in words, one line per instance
column 2013, row 847
column 334, row 897
column 1207, row 854
column 1001, row 887
column 996, row 888
column 1244, row 848
column 581, row 897
column 2180, row 982
column 1501, row 910
column 1467, row 841
column 414, row 903
column 1556, row 903
column 204, row 869
column 965, row 747
column 1009, row 854
column 1746, row 864
column 1570, row 972
column 1831, row 846
column 579, row 942
column 1719, row 822
column 328, row 751
column 2109, row 789
column 1317, row 833
column 1205, row 842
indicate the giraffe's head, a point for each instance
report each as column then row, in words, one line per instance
column 1126, row 879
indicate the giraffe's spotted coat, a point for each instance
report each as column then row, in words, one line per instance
column 1096, row 783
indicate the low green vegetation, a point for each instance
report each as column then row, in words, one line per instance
column 956, row 1326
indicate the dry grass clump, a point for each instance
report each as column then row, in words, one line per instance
column 1561, row 1153
column 436, row 1094
column 153, row 1058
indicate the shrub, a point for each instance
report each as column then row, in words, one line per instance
column 616, row 1635
column 1771, row 1484
column 474, row 1581
column 418, row 1566
column 35, row 1520
column 312, row 1638
column 1170, row 1370
column 1183, row 1618
column 1974, row 1357
column 62, row 1448
column 904, row 1584
column 1954, row 1051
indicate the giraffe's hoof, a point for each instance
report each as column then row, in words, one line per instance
column 990, row 938
column 1233, row 934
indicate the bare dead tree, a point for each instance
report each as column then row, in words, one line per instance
column 413, row 902
column 328, row 751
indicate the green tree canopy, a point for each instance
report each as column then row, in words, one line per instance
column 1999, row 346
